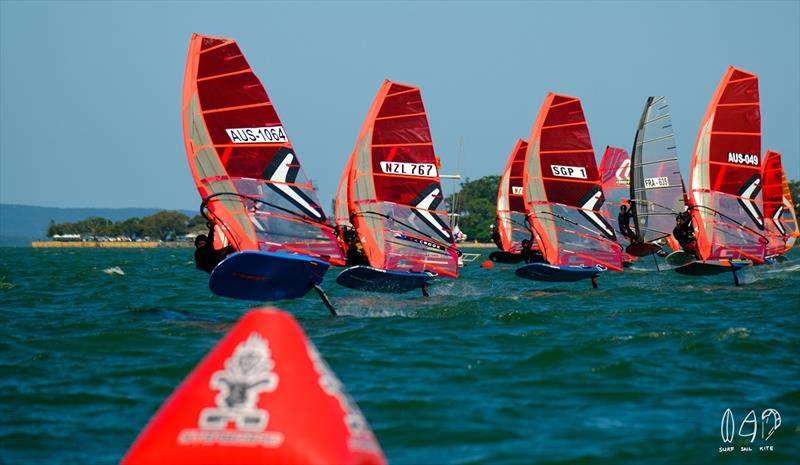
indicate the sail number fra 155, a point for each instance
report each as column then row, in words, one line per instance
column 409, row 169
column 266, row 134
column 577, row 172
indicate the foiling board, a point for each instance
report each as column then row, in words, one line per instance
column 554, row 273
column 500, row 256
column 266, row 276
column 711, row 267
column 642, row 249
column 367, row 278
column 679, row 257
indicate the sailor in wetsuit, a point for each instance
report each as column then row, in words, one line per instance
column 205, row 256
column 355, row 251
column 495, row 235
column 624, row 219
column 684, row 234
column 528, row 254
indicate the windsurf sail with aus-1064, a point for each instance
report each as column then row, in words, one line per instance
column 563, row 190
column 725, row 178
column 242, row 161
column 512, row 219
column 394, row 195
column 656, row 188
column 780, row 217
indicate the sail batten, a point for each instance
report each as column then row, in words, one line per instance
column 242, row 161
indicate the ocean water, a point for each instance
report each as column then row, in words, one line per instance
column 490, row 369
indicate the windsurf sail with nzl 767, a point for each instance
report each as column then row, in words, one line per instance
column 725, row 179
column 563, row 190
column 394, row 195
column 242, row 161
column 512, row 222
column 780, row 219
column 656, row 188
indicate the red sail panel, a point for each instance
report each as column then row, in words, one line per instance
column 725, row 180
column 241, row 160
column 779, row 215
column 394, row 193
column 511, row 216
column 789, row 215
column 615, row 173
column 563, row 189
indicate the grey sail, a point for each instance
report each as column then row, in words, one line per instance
column 657, row 189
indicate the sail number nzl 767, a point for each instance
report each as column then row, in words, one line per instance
column 577, row 172
column 427, row 170
column 266, row 134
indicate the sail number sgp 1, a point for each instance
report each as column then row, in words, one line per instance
column 266, row 134
column 577, row 172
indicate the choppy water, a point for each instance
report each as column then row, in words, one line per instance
column 490, row 369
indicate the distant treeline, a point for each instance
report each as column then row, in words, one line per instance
column 164, row 225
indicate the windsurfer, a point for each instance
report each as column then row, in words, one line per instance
column 355, row 251
column 624, row 219
column 495, row 235
column 684, row 234
column 205, row 256
column 529, row 255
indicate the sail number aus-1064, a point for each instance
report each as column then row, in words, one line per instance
column 266, row 134
column 577, row 172
column 409, row 169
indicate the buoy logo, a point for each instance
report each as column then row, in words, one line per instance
column 247, row 374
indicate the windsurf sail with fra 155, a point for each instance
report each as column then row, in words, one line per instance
column 242, row 161
column 656, row 188
column 725, row 179
column 779, row 214
column 394, row 194
column 512, row 219
column 563, row 190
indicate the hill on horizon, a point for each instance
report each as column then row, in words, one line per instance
column 21, row 224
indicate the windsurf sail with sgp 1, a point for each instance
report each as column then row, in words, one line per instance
column 725, row 179
column 563, row 190
column 779, row 215
column 656, row 188
column 512, row 222
column 394, row 194
column 243, row 163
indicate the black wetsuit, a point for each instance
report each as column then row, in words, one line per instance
column 496, row 239
column 206, row 258
column 684, row 234
column 624, row 220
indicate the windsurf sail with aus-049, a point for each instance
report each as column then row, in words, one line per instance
column 564, row 193
column 394, row 195
column 245, row 168
column 656, row 188
column 725, row 179
column 512, row 222
column 780, row 217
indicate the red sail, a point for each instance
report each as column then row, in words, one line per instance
column 263, row 395
column 394, row 195
column 242, row 161
column 725, row 180
column 512, row 219
column 563, row 189
column 615, row 172
column 780, row 220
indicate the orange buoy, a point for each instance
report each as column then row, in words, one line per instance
column 487, row 264
column 263, row 395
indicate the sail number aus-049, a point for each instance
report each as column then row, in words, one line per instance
column 650, row 183
column 409, row 169
column 266, row 134
column 577, row 172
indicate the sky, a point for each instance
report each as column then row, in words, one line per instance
column 90, row 92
